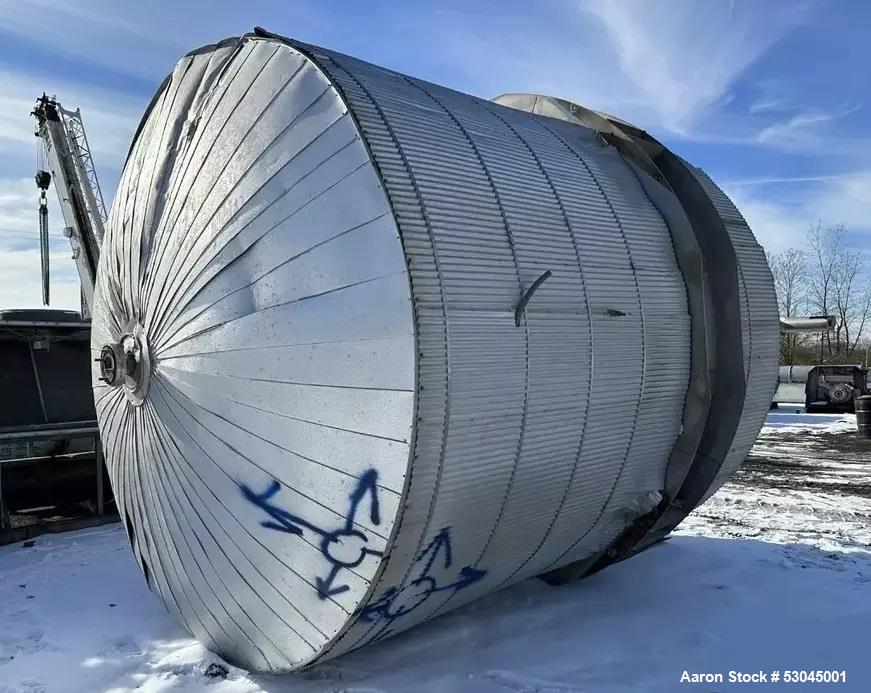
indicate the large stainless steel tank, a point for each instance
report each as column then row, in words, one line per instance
column 371, row 348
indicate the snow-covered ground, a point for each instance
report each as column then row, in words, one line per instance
column 773, row 573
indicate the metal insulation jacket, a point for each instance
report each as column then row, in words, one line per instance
column 338, row 390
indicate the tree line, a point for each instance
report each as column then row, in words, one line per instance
column 825, row 277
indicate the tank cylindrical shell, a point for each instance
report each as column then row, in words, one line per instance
column 398, row 347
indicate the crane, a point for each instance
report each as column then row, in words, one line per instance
column 71, row 167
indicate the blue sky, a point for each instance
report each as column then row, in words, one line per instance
column 772, row 98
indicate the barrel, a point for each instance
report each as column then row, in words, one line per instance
column 367, row 348
column 863, row 416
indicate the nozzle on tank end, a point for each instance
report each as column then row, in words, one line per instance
column 126, row 364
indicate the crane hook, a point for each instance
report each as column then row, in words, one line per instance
column 43, row 180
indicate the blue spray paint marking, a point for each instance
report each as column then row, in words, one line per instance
column 343, row 547
column 436, row 558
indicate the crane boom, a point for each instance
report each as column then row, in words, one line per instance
column 75, row 180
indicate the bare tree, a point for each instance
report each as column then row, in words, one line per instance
column 789, row 269
column 824, row 244
column 863, row 313
column 845, row 281
column 836, row 287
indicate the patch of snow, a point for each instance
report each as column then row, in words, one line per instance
column 763, row 576
column 794, row 416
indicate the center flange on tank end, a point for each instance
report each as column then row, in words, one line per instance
column 127, row 363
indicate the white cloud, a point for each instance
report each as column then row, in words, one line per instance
column 125, row 37
column 847, row 200
column 781, row 223
column 21, row 286
column 110, row 117
column 786, row 180
column 684, row 55
column 145, row 39
column 775, row 226
column 770, row 102
column 18, row 205
column 668, row 67
column 20, row 279
column 804, row 130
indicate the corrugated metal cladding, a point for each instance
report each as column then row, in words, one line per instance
column 343, row 428
column 760, row 329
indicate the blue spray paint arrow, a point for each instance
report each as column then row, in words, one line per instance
column 441, row 543
column 325, row 586
column 368, row 483
column 398, row 601
column 331, row 540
